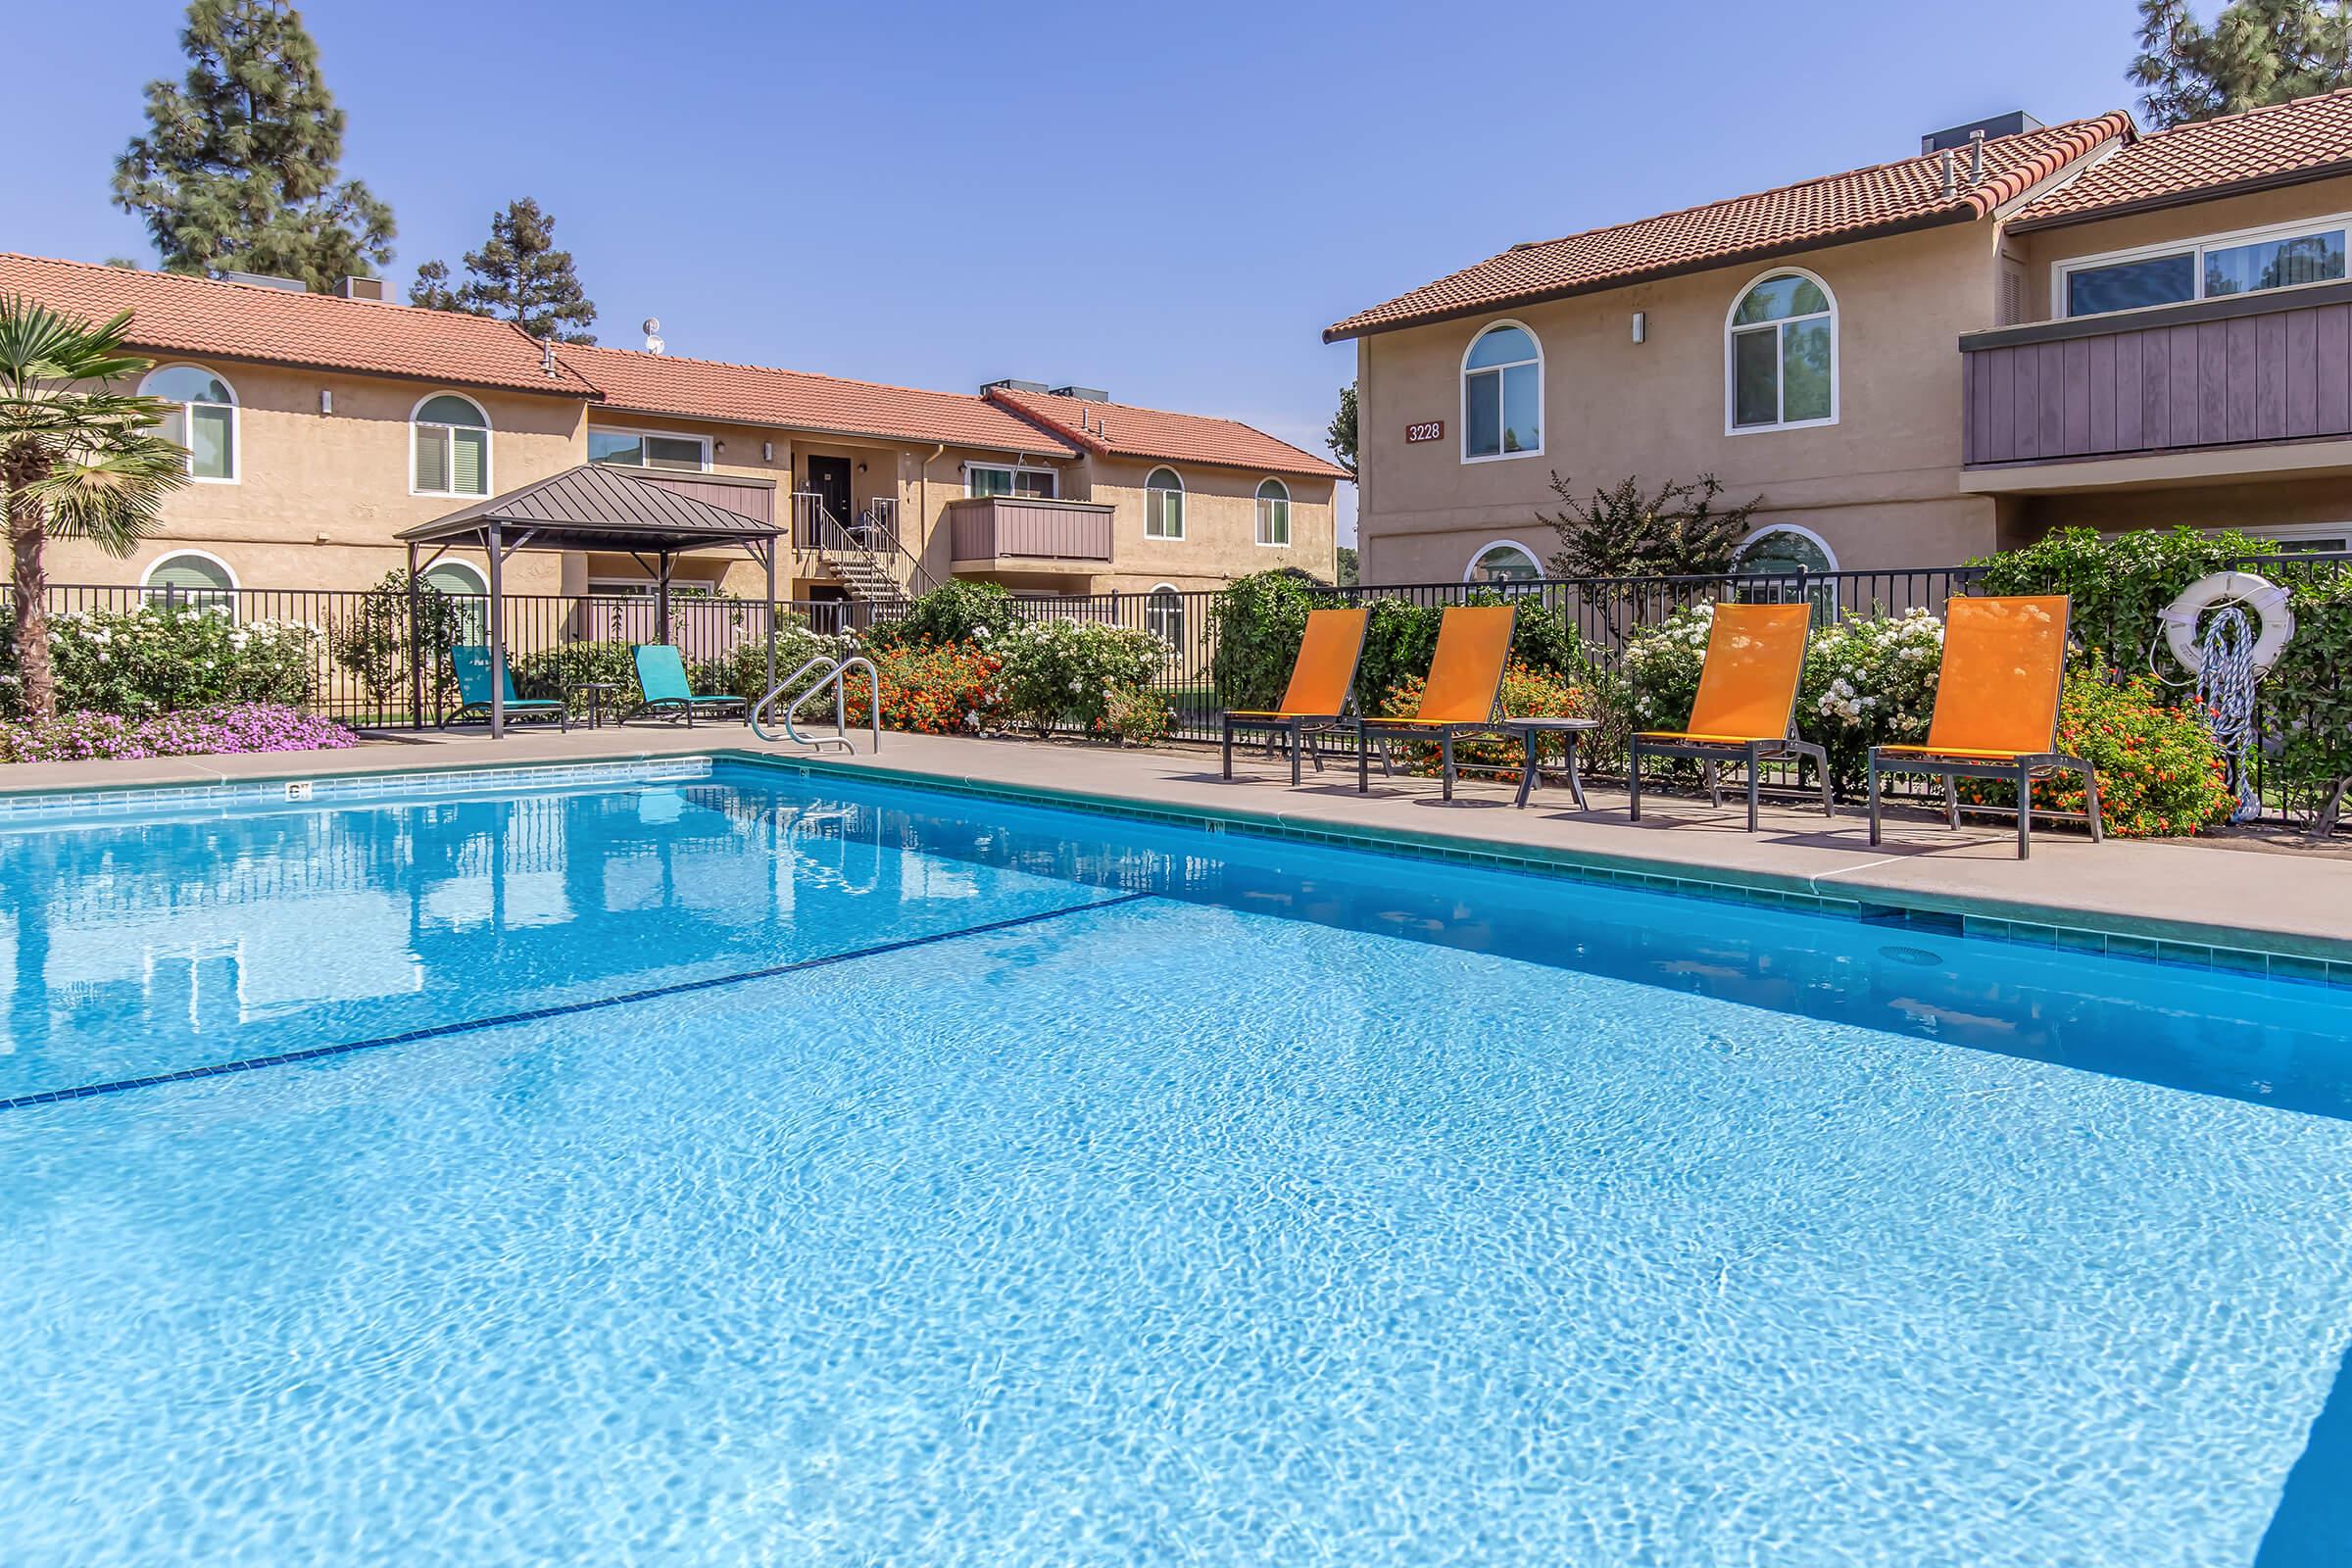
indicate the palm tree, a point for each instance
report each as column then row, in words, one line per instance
column 77, row 461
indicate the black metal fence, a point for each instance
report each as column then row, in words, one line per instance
column 366, row 676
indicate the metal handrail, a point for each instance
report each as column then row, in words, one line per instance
column 836, row 677
column 833, row 537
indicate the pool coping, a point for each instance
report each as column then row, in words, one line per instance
column 2279, row 953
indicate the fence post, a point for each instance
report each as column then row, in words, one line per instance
column 416, row 653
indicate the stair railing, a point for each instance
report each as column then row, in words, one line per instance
column 835, row 680
column 873, row 547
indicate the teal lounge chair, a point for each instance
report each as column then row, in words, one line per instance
column 661, row 683
column 470, row 662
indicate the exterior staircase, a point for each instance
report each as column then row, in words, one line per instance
column 870, row 559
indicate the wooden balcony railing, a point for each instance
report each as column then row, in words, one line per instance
column 2248, row 368
column 998, row 527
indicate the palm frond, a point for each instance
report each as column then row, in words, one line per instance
column 112, row 495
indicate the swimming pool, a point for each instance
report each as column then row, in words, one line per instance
column 766, row 1167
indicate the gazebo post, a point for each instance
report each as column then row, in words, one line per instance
column 498, row 637
column 662, row 602
column 416, row 653
column 767, row 554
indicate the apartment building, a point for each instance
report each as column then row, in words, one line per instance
column 320, row 427
column 2022, row 328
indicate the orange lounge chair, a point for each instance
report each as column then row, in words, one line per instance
column 1321, row 692
column 1464, row 693
column 1996, row 708
column 1747, row 697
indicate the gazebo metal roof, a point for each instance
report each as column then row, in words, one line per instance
column 597, row 506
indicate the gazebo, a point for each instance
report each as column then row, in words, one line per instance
column 591, row 507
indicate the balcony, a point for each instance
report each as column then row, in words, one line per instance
column 1018, row 530
column 2255, row 385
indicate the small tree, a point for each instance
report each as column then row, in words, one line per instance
column 1623, row 532
column 2255, row 52
column 77, row 462
column 372, row 643
column 1341, row 437
column 239, row 163
column 519, row 277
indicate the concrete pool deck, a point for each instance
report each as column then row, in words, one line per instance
column 2180, row 892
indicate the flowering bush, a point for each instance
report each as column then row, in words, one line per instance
column 1527, row 693
column 2160, row 773
column 153, row 660
column 198, row 732
column 956, row 612
column 1058, row 671
column 742, row 672
column 559, row 673
column 944, row 689
column 1869, row 680
column 1136, row 715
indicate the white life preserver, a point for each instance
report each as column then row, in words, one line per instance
column 2265, row 597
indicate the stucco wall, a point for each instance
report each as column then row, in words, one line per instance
column 319, row 496
column 1220, row 526
column 1880, row 486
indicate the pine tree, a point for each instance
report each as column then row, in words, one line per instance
column 1341, row 436
column 519, row 277
column 2255, row 52
column 238, row 168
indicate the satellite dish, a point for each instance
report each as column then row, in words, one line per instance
column 653, row 328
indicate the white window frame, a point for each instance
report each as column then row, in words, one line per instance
column 489, row 446
column 1797, row 528
column 149, row 594
column 1179, row 491
column 2196, row 245
column 1470, row 568
column 1731, row 376
column 703, row 441
column 1153, row 613
column 1462, row 373
column 236, row 423
column 1008, row 470
column 1262, row 500
column 481, row 580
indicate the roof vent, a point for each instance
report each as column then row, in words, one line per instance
column 361, row 288
column 1010, row 385
column 291, row 285
column 547, row 357
column 1084, row 394
column 2015, row 122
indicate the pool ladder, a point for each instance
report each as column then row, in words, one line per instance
column 835, row 678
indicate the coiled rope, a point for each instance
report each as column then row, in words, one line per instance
column 2226, row 676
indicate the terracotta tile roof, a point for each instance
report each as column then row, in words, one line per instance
column 1833, row 210
column 1119, row 429
column 203, row 318
column 751, row 394
column 2278, row 144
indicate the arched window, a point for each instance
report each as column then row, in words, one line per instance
column 1502, row 394
column 1780, row 355
column 1163, row 615
column 1503, row 560
column 1785, row 546
column 1163, row 505
column 194, row 578
column 1273, row 512
column 448, row 438
column 203, row 418
column 466, row 584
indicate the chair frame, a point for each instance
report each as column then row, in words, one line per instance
column 670, row 709
column 517, row 708
column 1298, row 727
column 1712, row 755
column 2020, row 769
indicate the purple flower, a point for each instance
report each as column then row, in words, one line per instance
column 238, row 727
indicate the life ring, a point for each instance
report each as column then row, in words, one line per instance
column 2265, row 597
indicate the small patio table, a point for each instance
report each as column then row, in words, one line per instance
column 1531, row 732
column 596, row 690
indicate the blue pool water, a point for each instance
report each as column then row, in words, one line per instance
column 767, row 1169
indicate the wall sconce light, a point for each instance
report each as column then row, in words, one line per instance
column 326, row 400
column 767, row 452
column 1640, row 326
column 861, row 467
column 718, row 446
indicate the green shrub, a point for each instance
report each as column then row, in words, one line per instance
column 155, row 660
column 559, row 673
column 1136, row 715
column 372, row 642
column 743, row 671
column 2308, row 696
column 2160, row 774
column 2116, row 586
column 1256, row 623
column 1060, row 672
column 955, row 612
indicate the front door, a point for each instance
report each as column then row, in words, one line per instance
column 829, row 477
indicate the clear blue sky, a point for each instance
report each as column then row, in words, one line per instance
column 1168, row 202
